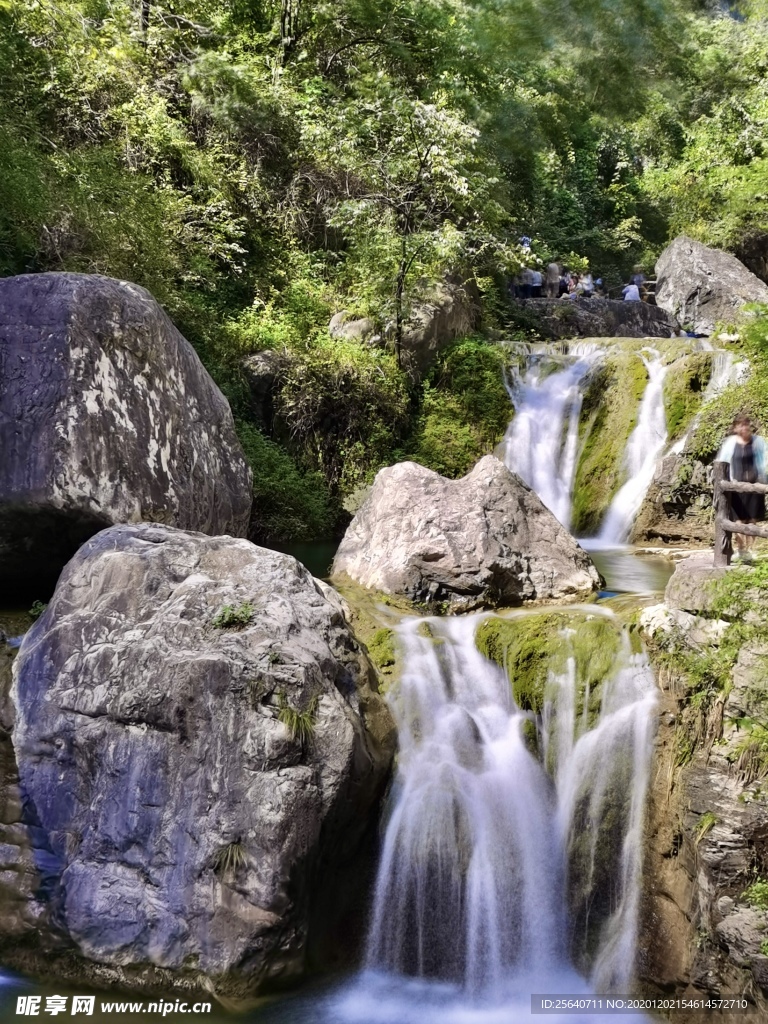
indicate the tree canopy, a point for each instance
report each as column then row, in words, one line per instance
column 258, row 164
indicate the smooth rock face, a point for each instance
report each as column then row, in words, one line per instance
column 598, row 318
column 106, row 416
column 690, row 586
column 177, row 822
column 702, row 286
column 485, row 540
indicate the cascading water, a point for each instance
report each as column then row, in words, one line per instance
column 646, row 443
column 726, row 370
column 476, row 903
column 541, row 443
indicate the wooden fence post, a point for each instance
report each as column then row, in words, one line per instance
column 723, row 545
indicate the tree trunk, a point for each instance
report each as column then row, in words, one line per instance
column 399, row 289
column 146, row 10
column 289, row 24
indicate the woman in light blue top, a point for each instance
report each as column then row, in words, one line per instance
column 746, row 455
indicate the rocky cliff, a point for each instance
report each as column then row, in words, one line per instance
column 704, row 928
column 596, row 318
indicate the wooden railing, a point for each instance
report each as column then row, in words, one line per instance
column 724, row 525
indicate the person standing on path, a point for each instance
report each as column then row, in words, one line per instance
column 536, row 283
column 745, row 453
column 553, row 281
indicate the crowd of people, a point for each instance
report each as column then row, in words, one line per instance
column 558, row 282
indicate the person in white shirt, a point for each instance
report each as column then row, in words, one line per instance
column 631, row 293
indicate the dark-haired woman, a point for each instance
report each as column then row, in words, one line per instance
column 745, row 453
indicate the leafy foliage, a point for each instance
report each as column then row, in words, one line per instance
column 258, row 165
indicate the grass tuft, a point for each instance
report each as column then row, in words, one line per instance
column 229, row 859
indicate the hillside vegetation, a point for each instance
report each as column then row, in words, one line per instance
column 261, row 164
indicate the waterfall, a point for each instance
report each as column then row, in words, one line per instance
column 646, row 443
column 541, row 443
column 472, row 903
column 725, row 370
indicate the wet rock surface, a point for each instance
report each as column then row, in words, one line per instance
column 702, row 287
column 196, row 789
column 598, row 318
column 106, row 416
column 483, row 541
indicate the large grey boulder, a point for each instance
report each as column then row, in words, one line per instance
column 596, row 318
column 185, row 829
column 485, row 540
column 703, row 287
column 106, row 416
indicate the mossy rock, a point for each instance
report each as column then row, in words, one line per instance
column 608, row 416
column 530, row 647
column 381, row 648
column 684, row 387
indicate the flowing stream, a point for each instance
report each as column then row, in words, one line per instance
column 498, row 870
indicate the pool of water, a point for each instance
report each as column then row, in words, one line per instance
column 370, row 997
column 317, row 555
column 627, row 570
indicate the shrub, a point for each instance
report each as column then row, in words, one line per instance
column 464, row 410
column 231, row 617
column 757, row 894
column 288, row 503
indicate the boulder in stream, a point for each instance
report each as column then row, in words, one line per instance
column 107, row 416
column 201, row 747
column 482, row 541
column 702, row 286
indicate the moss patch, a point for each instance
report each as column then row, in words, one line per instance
column 381, row 648
column 532, row 646
column 684, row 387
column 608, row 416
